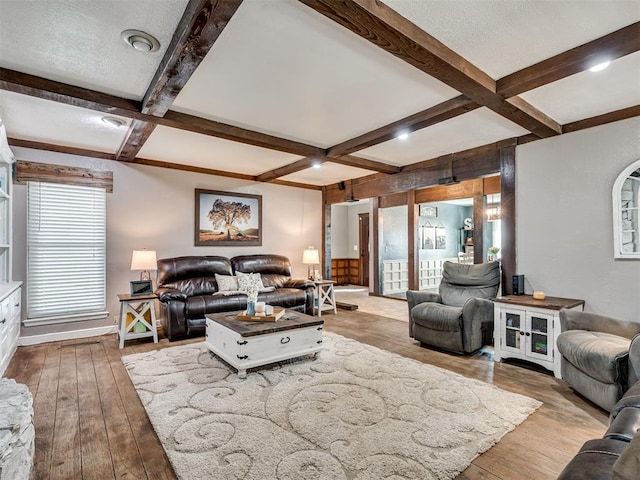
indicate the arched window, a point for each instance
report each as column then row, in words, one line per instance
column 626, row 213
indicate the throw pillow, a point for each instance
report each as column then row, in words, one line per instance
column 226, row 283
column 248, row 282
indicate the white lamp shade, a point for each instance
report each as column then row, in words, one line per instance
column 144, row 260
column 310, row 256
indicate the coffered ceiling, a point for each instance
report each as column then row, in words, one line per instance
column 271, row 90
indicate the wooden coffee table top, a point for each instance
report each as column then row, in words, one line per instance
column 289, row 321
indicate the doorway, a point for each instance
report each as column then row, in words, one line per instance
column 363, row 239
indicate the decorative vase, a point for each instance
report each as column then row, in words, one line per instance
column 251, row 308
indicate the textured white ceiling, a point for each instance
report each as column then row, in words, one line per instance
column 30, row 118
column 327, row 174
column 504, row 36
column 179, row 146
column 281, row 68
column 472, row 129
column 588, row 94
column 78, row 41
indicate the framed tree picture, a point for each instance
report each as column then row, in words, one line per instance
column 225, row 219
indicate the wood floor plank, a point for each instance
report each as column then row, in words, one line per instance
column 96, row 456
column 44, row 413
column 66, row 461
column 127, row 462
column 156, row 464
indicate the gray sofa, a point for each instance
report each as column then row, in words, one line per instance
column 460, row 317
column 595, row 359
column 615, row 456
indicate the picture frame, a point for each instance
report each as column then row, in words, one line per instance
column 428, row 211
column 141, row 287
column 225, row 219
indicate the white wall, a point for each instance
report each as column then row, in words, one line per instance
column 564, row 218
column 153, row 208
column 339, row 231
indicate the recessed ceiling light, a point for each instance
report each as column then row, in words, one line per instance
column 141, row 41
column 402, row 135
column 114, row 121
column 316, row 165
column 600, row 66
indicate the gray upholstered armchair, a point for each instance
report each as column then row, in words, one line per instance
column 596, row 355
column 460, row 316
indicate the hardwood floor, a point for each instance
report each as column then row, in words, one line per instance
column 90, row 423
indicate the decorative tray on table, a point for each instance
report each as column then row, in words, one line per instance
column 262, row 317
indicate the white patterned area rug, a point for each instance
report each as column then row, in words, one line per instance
column 354, row 412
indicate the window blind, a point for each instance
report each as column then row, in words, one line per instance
column 66, row 252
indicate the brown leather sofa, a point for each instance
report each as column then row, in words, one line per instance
column 188, row 290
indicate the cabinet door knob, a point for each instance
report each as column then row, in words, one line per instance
column 527, row 334
column 4, row 320
column 521, row 333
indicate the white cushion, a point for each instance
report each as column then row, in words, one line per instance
column 248, row 282
column 227, row 283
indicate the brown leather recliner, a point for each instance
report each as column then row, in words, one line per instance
column 188, row 290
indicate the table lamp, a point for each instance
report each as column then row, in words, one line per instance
column 144, row 260
column 310, row 257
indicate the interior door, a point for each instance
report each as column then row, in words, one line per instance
column 364, row 248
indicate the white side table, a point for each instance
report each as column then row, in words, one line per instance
column 326, row 297
column 137, row 306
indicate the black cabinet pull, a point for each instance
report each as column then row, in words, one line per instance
column 319, row 328
column 285, row 340
column 244, row 342
column 319, row 341
column 4, row 320
column 521, row 333
column 527, row 334
column 242, row 357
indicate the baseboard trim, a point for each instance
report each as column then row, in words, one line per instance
column 70, row 335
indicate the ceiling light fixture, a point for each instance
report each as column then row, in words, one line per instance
column 114, row 121
column 402, row 135
column 141, row 41
column 316, row 165
column 600, row 66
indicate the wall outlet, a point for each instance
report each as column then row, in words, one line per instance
column 116, row 319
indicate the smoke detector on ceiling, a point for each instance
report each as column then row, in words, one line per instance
column 141, row 41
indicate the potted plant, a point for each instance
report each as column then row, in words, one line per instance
column 493, row 253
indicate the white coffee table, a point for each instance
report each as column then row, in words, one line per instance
column 245, row 345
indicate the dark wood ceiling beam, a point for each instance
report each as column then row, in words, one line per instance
column 484, row 164
column 294, row 167
column 200, row 26
column 353, row 161
column 610, row 47
column 38, row 87
column 183, row 121
column 211, row 171
column 439, row 113
column 379, row 24
column 603, row 119
column 137, row 135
